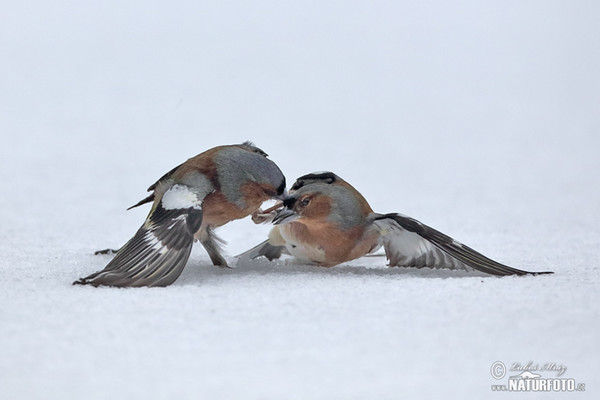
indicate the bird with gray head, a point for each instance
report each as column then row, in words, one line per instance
column 207, row 191
column 326, row 221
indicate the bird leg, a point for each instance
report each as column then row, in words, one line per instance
column 212, row 245
column 260, row 217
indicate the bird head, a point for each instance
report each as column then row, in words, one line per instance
column 324, row 196
column 245, row 172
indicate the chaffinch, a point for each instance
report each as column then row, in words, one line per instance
column 326, row 221
column 207, row 191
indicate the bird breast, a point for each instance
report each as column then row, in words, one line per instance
column 324, row 243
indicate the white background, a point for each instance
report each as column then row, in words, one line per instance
column 480, row 119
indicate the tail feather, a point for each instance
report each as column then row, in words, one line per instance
column 145, row 200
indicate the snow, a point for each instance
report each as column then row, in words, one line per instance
column 479, row 119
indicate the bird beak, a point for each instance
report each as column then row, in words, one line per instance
column 285, row 215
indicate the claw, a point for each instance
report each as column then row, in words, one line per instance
column 260, row 217
column 106, row 251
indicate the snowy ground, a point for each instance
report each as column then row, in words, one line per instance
column 481, row 120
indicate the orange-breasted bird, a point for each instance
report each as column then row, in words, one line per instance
column 326, row 221
column 207, row 191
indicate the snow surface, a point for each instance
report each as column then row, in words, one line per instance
column 480, row 119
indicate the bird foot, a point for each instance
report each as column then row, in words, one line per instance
column 261, row 217
column 106, row 251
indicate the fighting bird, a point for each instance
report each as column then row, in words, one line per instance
column 325, row 221
column 207, row 191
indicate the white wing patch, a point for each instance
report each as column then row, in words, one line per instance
column 181, row 197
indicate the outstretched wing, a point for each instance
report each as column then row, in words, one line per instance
column 271, row 252
column 158, row 252
column 409, row 243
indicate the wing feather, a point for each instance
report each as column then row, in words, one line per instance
column 158, row 252
column 410, row 243
column 271, row 252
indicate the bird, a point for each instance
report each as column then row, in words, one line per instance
column 215, row 187
column 323, row 220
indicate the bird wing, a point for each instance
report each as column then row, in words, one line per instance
column 158, row 252
column 266, row 249
column 410, row 243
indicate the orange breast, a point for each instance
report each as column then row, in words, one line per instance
column 323, row 243
column 218, row 211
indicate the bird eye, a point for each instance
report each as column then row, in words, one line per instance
column 305, row 202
